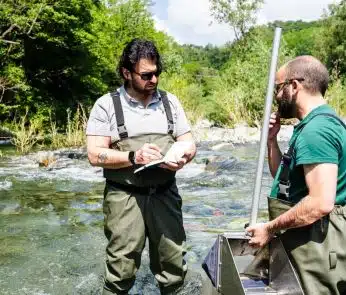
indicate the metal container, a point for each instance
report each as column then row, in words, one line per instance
column 242, row 269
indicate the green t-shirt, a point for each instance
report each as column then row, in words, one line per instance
column 322, row 140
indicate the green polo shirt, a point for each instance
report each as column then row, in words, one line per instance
column 322, row 140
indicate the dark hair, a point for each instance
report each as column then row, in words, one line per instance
column 135, row 50
column 314, row 73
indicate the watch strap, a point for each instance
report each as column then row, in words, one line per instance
column 132, row 157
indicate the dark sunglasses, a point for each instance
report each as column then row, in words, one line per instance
column 280, row 86
column 147, row 76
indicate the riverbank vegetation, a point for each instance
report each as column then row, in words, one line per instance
column 58, row 57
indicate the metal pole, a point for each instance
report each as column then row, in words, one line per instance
column 265, row 127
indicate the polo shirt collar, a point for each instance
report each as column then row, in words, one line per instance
column 155, row 98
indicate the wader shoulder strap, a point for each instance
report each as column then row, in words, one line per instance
column 284, row 183
column 119, row 115
column 168, row 111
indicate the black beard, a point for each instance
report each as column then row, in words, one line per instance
column 287, row 106
column 287, row 109
column 143, row 91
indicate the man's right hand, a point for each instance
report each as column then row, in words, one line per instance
column 147, row 153
column 274, row 126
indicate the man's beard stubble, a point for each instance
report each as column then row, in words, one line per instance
column 287, row 105
column 144, row 91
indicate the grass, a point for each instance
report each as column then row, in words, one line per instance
column 74, row 134
column 76, row 125
column 29, row 134
column 336, row 95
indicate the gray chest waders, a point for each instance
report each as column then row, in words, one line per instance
column 317, row 251
column 149, row 177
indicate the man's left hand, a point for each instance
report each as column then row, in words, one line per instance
column 260, row 235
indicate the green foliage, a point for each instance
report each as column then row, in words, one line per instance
column 172, row 62
column 27, row 133
column 305, row 42
column 75, row 129
column 241, row 87
column 56, row 139
column 209, row 56
column 295, row 26
column 300, row 38
column 216, row 112
column 336, row 37
column 74, row 134
column 239, row 14
column 64, row 52
column 58, row 55
column 190, row 94
column 336, row 94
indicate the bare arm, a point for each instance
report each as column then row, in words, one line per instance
column 274, row 156
column 99, row 153
column 321, row 180
column 274, row 153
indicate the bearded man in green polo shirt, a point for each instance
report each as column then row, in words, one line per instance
column 307, row 201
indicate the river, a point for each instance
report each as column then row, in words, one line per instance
column 51, row 234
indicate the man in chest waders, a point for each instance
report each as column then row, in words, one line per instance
column 307, row 201
column 126, row 129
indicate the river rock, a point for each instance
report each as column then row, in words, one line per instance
column 215, row 163
column 240, row 134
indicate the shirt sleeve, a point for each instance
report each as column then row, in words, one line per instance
column 181, row 121
column 99, row 121
column 318, row 144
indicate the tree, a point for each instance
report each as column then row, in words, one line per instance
column 336, row 37
column 55, row 54
column 239, row 14
column 18, row 21
column 43, row 59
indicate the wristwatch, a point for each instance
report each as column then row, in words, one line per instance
column 132, row 157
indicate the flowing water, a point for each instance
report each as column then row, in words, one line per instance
column 51, row 235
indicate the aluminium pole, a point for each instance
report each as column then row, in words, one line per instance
column 265, row 131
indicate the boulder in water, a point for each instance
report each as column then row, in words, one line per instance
column 45, row 159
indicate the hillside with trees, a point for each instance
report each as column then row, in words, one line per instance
column 58, row 57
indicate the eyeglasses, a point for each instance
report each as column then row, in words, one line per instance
column 147, row 76
column 279, row 86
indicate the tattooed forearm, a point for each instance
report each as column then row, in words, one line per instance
column 102, row 158
column 108, row 158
